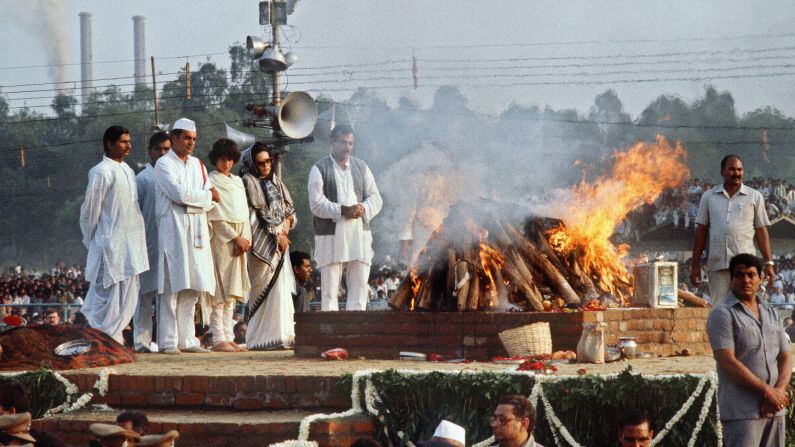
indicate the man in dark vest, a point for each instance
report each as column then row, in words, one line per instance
column 344, row 199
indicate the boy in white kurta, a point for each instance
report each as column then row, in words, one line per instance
column 184, row 195
column 230, row 239
column 113, row 233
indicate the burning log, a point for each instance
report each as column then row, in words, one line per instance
column 691, row 299
column 557, row 281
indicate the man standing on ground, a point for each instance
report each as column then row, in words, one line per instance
column 159, row 145
column 344, row 198
column 113, row 233
column 753, row 361
column 185, row 270
column 733, row 215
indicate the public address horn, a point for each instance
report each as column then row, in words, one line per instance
column 296, row 116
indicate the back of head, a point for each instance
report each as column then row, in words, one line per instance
column 138, row 421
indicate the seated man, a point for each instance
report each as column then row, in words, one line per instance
column 513, row 421
column 51, row 317
column 635, row 430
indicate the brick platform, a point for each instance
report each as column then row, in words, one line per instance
column 382, row 335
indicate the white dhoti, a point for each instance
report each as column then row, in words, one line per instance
column 175, row 321
column 356, row 273
column 142, row 321
column 110, row 309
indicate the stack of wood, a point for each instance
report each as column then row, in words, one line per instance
column 470, row 265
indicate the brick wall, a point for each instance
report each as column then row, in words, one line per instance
column 474, row 336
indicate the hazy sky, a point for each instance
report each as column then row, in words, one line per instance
column 570, row 51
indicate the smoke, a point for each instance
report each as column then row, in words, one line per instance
column 46, row 21
column 426, row 160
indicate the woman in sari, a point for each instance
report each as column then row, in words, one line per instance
column 272, row 216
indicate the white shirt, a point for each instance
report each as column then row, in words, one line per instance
column 183, row 198
column 112, row 225
column 147, row 194
column 350, row 242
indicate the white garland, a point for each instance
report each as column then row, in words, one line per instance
column 71, row 404
column 679, row 414
column 556, row 426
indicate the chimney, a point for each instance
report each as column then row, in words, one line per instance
column 139, row 50
column 86, row 56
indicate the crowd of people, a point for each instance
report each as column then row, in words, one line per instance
column 680, row 205
column 33, row 290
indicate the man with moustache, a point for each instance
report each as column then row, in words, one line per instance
column 344, row 199
column 185, row 269
column 753, row 360
column 733, row 215
column 113, row 233
column 159, row 145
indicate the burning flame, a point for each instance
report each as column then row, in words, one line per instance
column 415, row 286
column 639, row 176
column 490, row 257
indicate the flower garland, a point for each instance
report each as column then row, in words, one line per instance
column 71, row 404
column 557, row 428
column 679, row 414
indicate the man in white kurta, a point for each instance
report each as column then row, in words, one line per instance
column 159, row 144
column 113, row 233
column 184, row 195
column 344, row 199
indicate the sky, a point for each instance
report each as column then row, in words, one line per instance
column 560, row 54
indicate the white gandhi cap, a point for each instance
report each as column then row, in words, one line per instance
column 184, row 124
column 447, row 429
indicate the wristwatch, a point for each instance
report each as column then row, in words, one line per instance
column 770, row 263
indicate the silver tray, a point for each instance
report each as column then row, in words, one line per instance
column 74, row 347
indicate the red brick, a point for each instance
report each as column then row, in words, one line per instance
column 189, row 399
column 248, row 404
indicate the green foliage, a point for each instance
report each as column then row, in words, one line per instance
column 44, row 390
column 589, row 406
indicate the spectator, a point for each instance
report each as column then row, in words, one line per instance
column 240, row 332
column 302, row 270
column 447, row 434
column 513, row 421
column 133, row 421
column 634, row 429
column 14, row 400
column 14, row 429
column 51, row 317
column 113, row 435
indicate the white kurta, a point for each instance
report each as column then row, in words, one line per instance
column 183, row 198
column 147, row 194
column 350, row 241
column 113, row 233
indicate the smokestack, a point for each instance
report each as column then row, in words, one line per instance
column 139, row 50
column 86, row 56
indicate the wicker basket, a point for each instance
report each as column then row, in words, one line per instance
column 532, row 339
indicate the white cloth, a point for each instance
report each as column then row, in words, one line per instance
column 356, row 274
column 183, row 197
column 112, row 225
column 142, row 320
column 227, row 221
column 221, row 323
column 272, row 324
column 175, row 326
column 350, row 241
column 720, row 285
column 110, row 309
column 147, row 193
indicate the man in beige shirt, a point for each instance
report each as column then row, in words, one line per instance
column 734, row 216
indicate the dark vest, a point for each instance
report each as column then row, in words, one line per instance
column 326, row 227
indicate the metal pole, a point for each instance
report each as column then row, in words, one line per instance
column 187, row 79
column 277, row 95
column 154, row 92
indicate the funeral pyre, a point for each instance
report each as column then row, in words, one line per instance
column 481, row 258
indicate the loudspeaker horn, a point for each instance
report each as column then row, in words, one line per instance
column 296, row 116
column 242, row 139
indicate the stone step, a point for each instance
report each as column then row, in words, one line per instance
column 250, row 392
column 210, row 428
